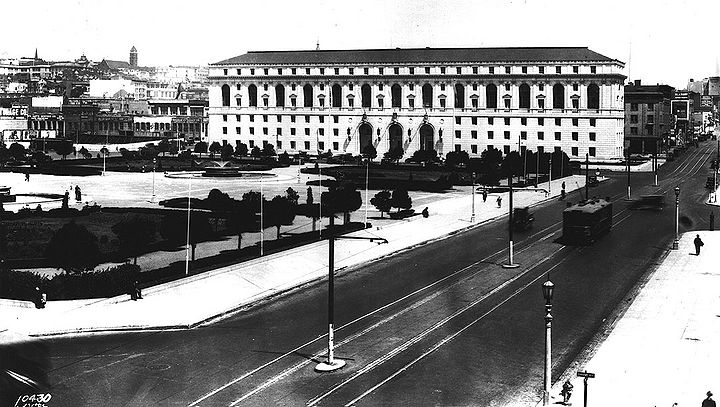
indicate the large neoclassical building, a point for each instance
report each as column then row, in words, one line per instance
column 425, row 98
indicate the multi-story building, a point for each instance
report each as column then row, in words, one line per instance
column 648, row 120
column 446, row 99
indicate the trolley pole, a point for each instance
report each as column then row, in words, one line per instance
column 587, row 176
column 510, row 264
column 472, row 215
column 628, row 173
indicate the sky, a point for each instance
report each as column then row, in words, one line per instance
column 659, row 41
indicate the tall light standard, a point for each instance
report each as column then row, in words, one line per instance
column 472, row 180
column 187, row 235
column 510, row 264
column 676, row 242
column 153, row 182
column 547, row 289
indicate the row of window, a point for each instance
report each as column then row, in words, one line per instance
column 410, row 70
column 491, row 97
column 459, row 120
column 575, row 136
column 635, row 106
column 574, row 151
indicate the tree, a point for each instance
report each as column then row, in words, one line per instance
column 309, row 200
column 268, row 150
column 241, row 150
column 343, row 199
column 369, row 152
column 17, row 151
column 201, row 148
column 226, row 152
column 424, row 156
column 64, row 148
column 511, row 165
column 163, row 146
column 455, row 158
column 134, row 235
column 214, row 148
column 284, row 158
column 400, row 199
column 73, row 248
column 279, row 211
column 38, row 157
column 148, row 152
column 395, row 154
column 292, row 196
column 382, row 201
column 242, row 219
column 174, row 229
column 256, row 153
column 85, row 153
column 490, row 160
column 4, row 154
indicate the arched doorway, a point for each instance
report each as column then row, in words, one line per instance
column 252, row 95
column 280, row 96
column 524, row 96
column 395, row 131
column 365, row 131
column 365, row 95
column 225, row 95
column 336, row 95
column 427, row 139
column 396, row 92
column 427, row 94
column 307, row 95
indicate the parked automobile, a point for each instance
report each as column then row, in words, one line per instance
column 652, row 202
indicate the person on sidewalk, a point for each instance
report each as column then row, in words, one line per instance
column 484, row 194
column 566, row 391
column 698, row 244
column 40, row 298
column 712, row 220
column 708, row 402
column 499, row 201
column 425, row 212
column 135, row 293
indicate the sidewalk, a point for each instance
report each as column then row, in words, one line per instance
column 663, row 349
column 231, row 288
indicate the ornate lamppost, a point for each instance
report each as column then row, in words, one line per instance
column 676, row 242
column 547, row 289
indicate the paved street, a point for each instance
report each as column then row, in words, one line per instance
column 438, row 314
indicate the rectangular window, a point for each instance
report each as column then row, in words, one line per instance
column 593, row 69
column 307, row 131
column 541, row 87
column 336, row 119
column 474, row 102
column 237, row 117
column 337, row 71
column 591, row 151
column 541, row 103
column 651, row 106
column 366, row 71
column 265, row 118
column 278, row 130
column 633, row 118
column 307, row 118
column 380, row 87
column 351, row 103
column 541, row 149
column 442, row 70
column 592, row 122
column 575, row 121
column 633, row 130
column 251, row 143
column 442, row 86
column 507, row 69
column 322, row 71
column 458, row 134
column 411, row 103
column 279, row 144
column 523, row 121
column 507, row 87
column 524, row 69
column 396, row 70
column 292, row 145
column 336, row 132
column 307, row 145
column 557, row 69
column 558, row 121
column 506, row 150
column 265, row 131
column 490, row 135
column 292, row 119
column 473, row 148
column 633, row 107
column 491, row 120
column 381, row 71
column 473, row 134
column 574, row 136
column 336, row 146
column 321, row 145
column 575, row 87
column 412, row 71
column 458, row 120
column 651, row 118
column 224, row 130
column 237, row 130
column 321, row 132
column 252, row 130
column 491, row 70
column 490, row 147
column 225, row 71
column 523, row 135
column 576, row 69
column 592, row 136
column 224, row 117
column 558, row 136
column 458, row 70
column 507, row 121
column 474, row 121
column 279, row 71
column 351, row 71
column 541, row 69
column 574, row 151
column 307, row 71
column 239, row 71
column 381, row 103
column 475, row 70
column 541, row 121
column 292, row 131
column 442, row 103
column 541, row 135
column 279, row 118
column 506, row 135
column 266, row 71
column 457, row 148
column 293, row 71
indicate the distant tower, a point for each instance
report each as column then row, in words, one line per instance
column 133, row 56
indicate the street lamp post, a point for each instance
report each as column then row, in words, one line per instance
column 153, row 182
column 547, row 289
column 187, row 235
column 510, row 264
column 102, row 150
column 676, row 242
column 472, row 215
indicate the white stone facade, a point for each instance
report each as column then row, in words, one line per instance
column 254, row 99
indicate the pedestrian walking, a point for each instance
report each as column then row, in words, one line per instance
column 708, row 402
column 712, row 220
column 563, row 185
column 40, row 298
column 698, row 244
column 499, row 200
column 425, row 212
column 27, row 177
column 566, row 391
column 484, row 194
column 135, row 293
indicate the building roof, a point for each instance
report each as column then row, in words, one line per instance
column 419, row 55
column 133, row 49
column 116, row 64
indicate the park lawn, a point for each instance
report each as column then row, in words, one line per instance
column 26, row 238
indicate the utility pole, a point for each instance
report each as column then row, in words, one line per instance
column 510, row 263
column 628, row 173
column 587, row 176
column 472, row 215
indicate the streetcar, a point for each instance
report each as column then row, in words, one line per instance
column 586, row 221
